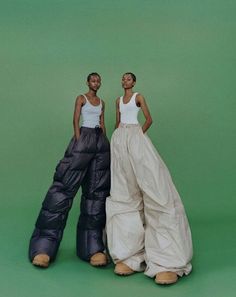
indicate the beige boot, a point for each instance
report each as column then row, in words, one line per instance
column 166, row 278
column 123, row 269
column 98, row 259
column 41, row 260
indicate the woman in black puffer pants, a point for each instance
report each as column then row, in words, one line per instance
column 86, row 163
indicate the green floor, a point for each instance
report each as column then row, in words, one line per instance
column 183, row 53
column 213, row 275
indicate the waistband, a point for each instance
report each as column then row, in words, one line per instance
column 97, row 129
column 122, row 125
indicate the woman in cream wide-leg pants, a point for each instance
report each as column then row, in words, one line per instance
column 146, row 222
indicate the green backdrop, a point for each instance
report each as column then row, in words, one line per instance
column 183, row 53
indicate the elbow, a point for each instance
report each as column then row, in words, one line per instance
column 150, row 121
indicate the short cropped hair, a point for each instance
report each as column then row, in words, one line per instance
column 133, row 75
column 92, row 74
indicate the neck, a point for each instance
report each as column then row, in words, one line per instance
column 92, row 93
column 128, row 92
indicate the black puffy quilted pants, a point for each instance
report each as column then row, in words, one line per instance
column 86, row 163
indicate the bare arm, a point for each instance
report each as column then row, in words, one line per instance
column 142, row 103
column 102, row 121
column 77, row 111
column 117, row 112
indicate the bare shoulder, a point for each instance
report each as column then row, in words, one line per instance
column 103, row 103
column 140, row 96
column 80, row 100
column 118, row 100
column 140, row 99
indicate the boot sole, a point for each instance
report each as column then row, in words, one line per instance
column 39, row 264
column 97, row 263
column 169, row 282
column 124, row 273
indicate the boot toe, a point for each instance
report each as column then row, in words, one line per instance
column 123, row 269
column 166, row 278
column 41, row 260
column 98, row 259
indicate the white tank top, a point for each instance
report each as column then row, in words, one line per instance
column 129, row 111
column 91, row 114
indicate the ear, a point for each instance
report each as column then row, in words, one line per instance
column 134, row 83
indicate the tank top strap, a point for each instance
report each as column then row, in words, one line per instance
column 100, row 101
column 85, row 97
column 100, row 104
column 133, row 98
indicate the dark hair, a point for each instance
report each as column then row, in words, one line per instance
column 92, row 74
column 133, row 75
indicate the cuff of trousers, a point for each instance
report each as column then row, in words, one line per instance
column 152, row 269
column 136, row 263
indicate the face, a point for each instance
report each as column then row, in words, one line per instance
column 94, row 83
column 127, row 81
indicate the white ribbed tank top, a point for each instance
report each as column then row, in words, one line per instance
column 91, row 114
column 129, row 111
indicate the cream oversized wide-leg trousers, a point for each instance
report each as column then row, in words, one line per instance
column 147, row 228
